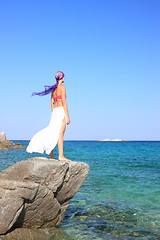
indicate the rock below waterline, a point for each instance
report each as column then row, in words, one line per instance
column 36, row 234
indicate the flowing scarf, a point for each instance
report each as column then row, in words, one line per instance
column 59, row 75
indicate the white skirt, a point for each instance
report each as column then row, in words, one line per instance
column 47, row 138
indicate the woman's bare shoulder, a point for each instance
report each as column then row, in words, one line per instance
column 63, row 88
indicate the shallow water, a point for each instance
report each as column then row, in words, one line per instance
column 120, row 199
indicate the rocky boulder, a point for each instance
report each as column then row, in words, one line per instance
column 2, row 137
column 6, row 144
column 35, row 193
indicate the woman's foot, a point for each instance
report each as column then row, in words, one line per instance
column 64, row 159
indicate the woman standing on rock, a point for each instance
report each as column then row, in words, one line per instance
column 46, row 139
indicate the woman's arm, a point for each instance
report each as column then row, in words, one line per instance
column 64, row 103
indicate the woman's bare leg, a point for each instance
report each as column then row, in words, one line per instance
column 51, row 154
column 60, row 142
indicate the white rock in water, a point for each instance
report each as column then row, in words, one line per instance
column 2, row 136
column 116, row 139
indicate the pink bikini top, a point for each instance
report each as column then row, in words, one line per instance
column 58, row 97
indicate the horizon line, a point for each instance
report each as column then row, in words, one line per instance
column 94, row 140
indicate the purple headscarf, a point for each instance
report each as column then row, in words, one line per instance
column 59, row 75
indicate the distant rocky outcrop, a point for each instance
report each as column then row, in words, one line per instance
column 112, row 140
column 6, row 144
column 35, row 193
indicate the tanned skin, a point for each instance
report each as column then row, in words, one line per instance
column 60, row 90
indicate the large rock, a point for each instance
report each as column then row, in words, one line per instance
column 35, row 193
column 6, row 144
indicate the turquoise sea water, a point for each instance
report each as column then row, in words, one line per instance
column 120, row 199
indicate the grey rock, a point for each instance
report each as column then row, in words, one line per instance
column 6, row 144
column 2, row 137
column 35, row 193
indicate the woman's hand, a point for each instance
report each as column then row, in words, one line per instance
column 68, row 120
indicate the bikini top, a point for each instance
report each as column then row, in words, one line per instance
column 58, row 97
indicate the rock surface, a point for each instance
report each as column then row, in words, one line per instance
column 2, row 137
column 35, row 193
column 6, row 144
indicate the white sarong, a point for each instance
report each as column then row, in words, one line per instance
column 47, row 138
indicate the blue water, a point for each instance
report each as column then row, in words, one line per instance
column 120, row 199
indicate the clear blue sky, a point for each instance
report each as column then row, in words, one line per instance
column 109, row 52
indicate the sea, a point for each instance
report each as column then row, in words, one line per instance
column 120, row 198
